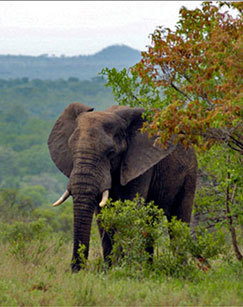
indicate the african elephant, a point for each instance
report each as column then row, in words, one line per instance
column 104, row 153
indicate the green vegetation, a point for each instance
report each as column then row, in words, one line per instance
column 50, row 284
column 149, row 227
column 197, row 68
column 35, row 259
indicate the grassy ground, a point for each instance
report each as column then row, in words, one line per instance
column 44, row 279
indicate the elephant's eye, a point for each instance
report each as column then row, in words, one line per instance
column 119, row 134
column 111, row 153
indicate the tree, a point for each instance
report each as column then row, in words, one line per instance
column 190, row 83
column 219, row 197
column 190, row 79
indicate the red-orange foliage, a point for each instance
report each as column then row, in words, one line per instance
column 200, row 65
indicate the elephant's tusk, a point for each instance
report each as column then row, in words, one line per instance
column 105, row 197
column 65, row 195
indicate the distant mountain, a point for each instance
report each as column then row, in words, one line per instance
column 83, row 67
column 117, row 53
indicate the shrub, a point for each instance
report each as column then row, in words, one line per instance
column 136, row 226
column 29, row 242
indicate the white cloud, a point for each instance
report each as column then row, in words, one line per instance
column 81, row 27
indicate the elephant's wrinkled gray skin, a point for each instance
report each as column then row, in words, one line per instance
column 101, row 151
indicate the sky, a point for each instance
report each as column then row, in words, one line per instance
column 82, row 27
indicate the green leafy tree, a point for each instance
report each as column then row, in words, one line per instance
column 190, row 79
column 219, row 199
column 190, row 83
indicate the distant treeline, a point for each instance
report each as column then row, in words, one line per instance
column 28, row 109
column 46, row 98
column 52, row 67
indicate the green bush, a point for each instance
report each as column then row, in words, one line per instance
column 59, row 219
column 29, row 242
column 28, row 205
column 15, row 206
column 135, row 226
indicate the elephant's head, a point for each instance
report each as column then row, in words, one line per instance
column 89, row 148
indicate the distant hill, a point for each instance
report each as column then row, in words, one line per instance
column 83, row 67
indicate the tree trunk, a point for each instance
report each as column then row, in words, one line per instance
column 229, row 216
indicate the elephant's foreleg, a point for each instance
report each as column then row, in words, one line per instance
column 150, row 249
column 106, row 241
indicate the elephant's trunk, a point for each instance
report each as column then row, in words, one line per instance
column 83, row 212
column 85, row 191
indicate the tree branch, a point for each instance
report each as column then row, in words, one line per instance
column 205, row 97
column 186, row 77
column 232, row 199
column 236, row 149
column 180, row 91
column 236, row 142
column 229, row 217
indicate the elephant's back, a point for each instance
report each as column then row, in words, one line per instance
column 176, row 165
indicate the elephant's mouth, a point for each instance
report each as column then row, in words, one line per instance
column 101, row 199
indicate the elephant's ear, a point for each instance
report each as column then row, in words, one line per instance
column 141, row 154
column 62, row 130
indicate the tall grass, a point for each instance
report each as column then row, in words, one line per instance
column 49, row 282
